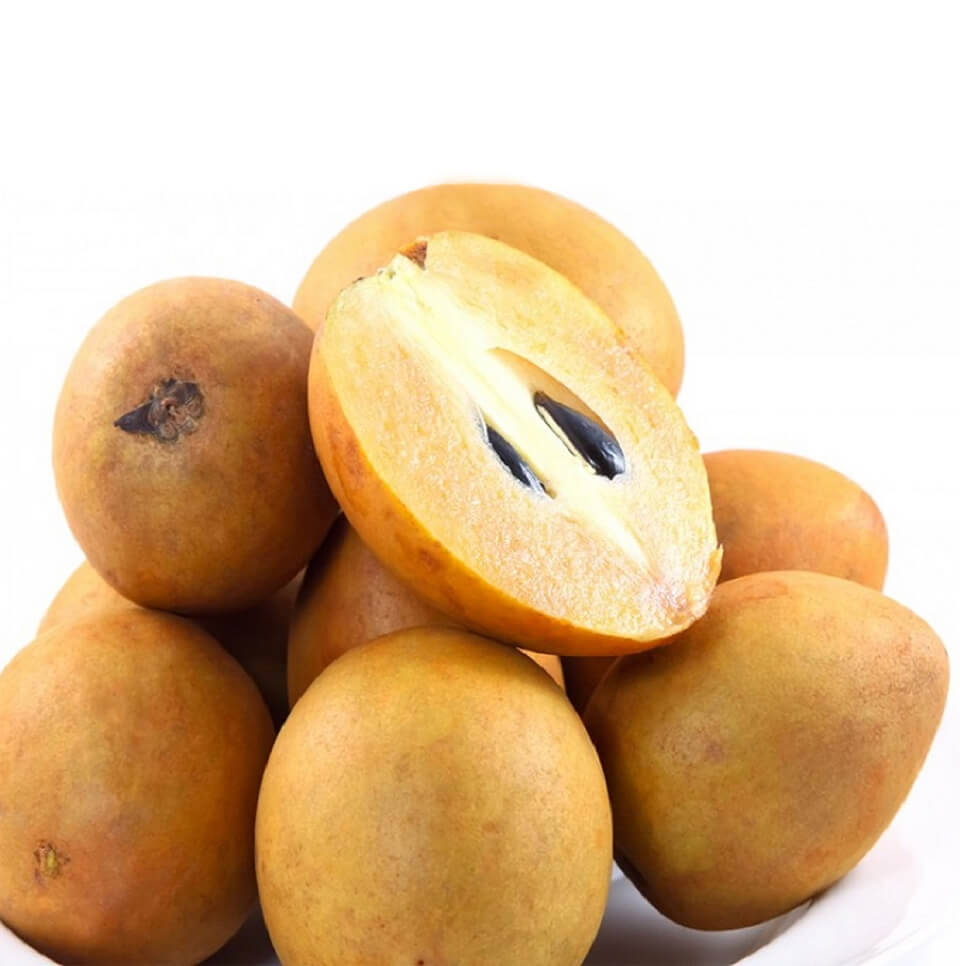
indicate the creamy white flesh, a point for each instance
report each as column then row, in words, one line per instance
column 459, row 338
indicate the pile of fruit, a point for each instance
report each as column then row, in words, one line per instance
column 488, row 396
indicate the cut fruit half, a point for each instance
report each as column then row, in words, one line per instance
column 500, row 446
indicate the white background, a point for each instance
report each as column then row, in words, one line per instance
column 786, row 171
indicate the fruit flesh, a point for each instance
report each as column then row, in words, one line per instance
column 597, row 258
column 775, row 511
column 211, row 499
column 405, row 371
column 131, row 750
column 433, row 797
column 756, row 759
column 349, row 598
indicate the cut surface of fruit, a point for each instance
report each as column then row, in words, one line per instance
column 496, row 441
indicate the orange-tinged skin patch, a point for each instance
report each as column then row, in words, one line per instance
column 755, row 760
column 349, row 598
column 775, row 511
column 433, row 797
column 131, row 750
column 595, row 256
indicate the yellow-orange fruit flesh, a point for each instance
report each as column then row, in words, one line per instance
column 412, row 370
column 600, row 260
column 256, row 637
column 131, row 751
column 349, row 598
column 182, row 450
column 433, row 798
column 755, row 760
column 775, row 511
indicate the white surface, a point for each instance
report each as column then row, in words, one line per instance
column 143, row 143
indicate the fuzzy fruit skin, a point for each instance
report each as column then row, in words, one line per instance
column 256, row 637
column 216, row 520
column 776, row 511
column 131, row 751
column 433, row 798
column 349, row 598
column 595, row 256
column 755, row 760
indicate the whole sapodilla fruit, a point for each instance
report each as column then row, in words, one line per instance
column 433, row 798
column 600, row 260
column 502, row 448
column 131, row 751
column 348, row 598
column 775, row 511
column 182, row 451
column 256, row 636
column 755, row 760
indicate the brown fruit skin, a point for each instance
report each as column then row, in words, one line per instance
column 775, row 511
column 218, row 519
column 433, row 798
column 349, row 598
column 131, row 750
column 600, row 260
column 755, row 760
column 256, row 637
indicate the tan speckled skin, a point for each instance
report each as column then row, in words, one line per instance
column 256, row 637
column 775, row 511
column 349, row 598
column 217, row 520
column 595, row 256
column 755, row 760
column 131, row 750
column 433, row 798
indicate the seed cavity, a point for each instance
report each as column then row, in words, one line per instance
column 582, row 436
column 173, row 409
column 513, row 461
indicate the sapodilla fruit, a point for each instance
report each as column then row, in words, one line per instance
column 755, row 760
column 256, row 637
column 776, row 511
column 182, row 451
column 433, row 798
column 131, row 751
column 348, row 598
column 504, row 450
column 600, row 260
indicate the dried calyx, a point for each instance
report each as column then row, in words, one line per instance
column 173, row 409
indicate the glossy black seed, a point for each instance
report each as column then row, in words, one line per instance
column 597, row 447
column 513, row 461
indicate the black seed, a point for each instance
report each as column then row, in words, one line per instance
column 597, row 447
column 513, row 461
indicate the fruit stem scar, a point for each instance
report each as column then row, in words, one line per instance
column 49, row 863
column 173, row 409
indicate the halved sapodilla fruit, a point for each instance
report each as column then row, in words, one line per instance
column 501, row 446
